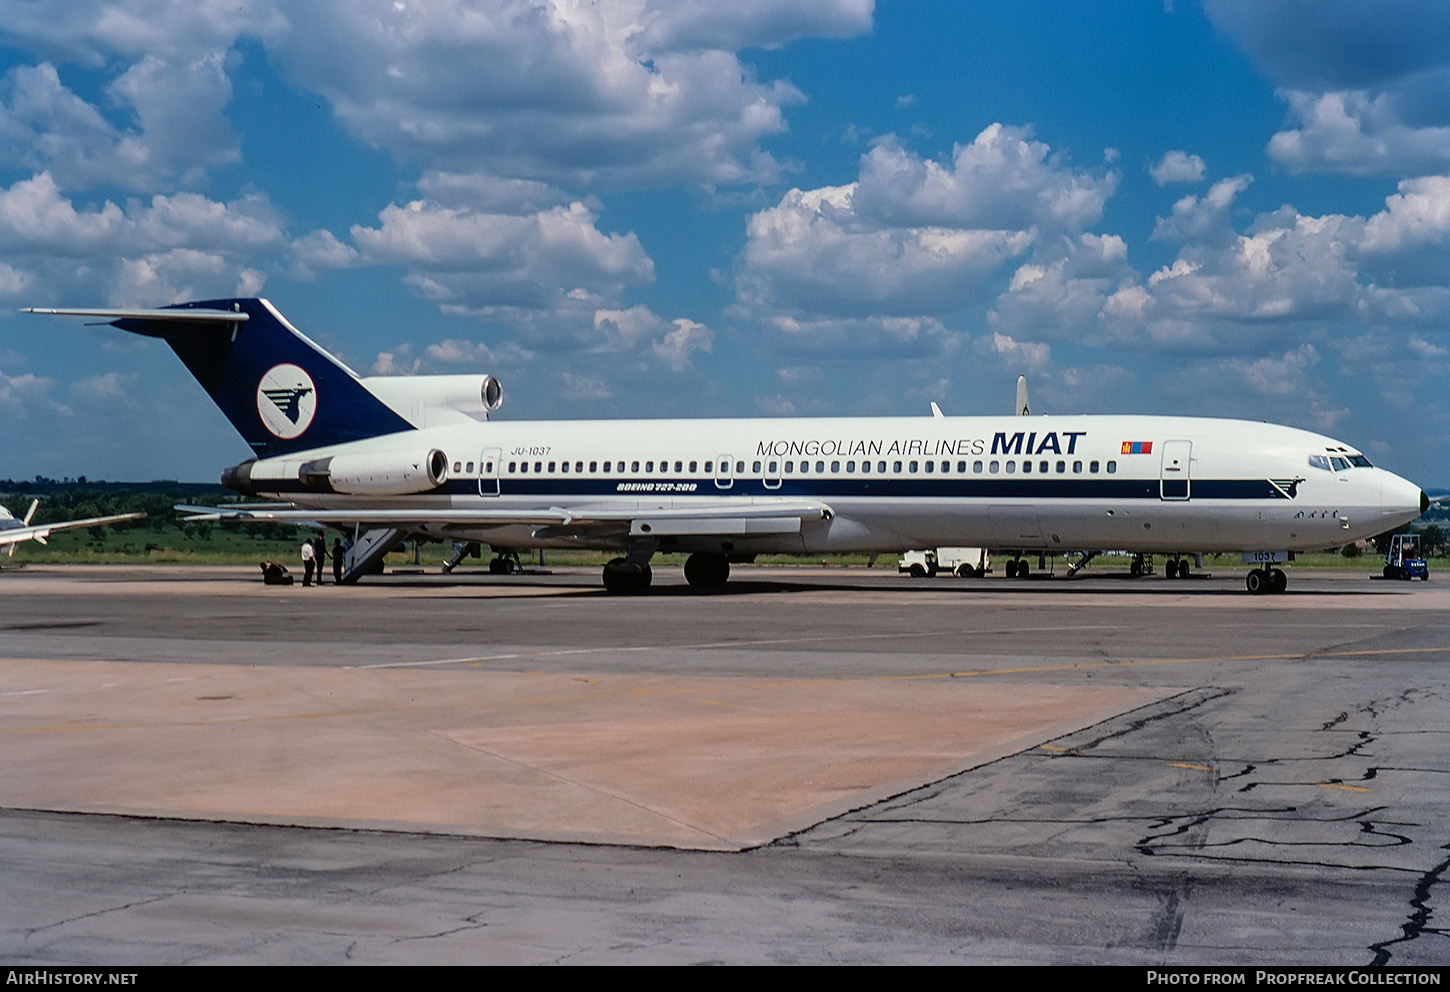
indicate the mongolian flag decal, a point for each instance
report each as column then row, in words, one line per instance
column 1137, row 447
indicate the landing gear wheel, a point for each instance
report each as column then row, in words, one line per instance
column 1022, row 569
column 706, row 571
column 626, row 578
column 498, row 566
column 1278, row 581
column 1256, row 581
column 1011, row 570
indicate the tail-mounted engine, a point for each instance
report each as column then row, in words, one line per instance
column 437, row 400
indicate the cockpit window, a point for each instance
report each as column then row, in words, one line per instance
column 1359, row 461
column 1340, row 465
column 1319, row 461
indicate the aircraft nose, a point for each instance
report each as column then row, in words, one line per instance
column 1401, row 500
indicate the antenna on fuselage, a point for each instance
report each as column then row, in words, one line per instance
column 1023, row 408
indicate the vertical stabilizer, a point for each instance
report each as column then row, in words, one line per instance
column 280, row 390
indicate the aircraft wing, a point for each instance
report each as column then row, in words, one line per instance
column 745, row 515
column 39, row 532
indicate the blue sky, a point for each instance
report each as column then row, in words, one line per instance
column 643, row 209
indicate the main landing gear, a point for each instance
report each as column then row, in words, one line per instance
column 1262, row 580
column 632, row 575
column 624, row 577
column 707, row 571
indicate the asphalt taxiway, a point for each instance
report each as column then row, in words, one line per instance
column 813, row 765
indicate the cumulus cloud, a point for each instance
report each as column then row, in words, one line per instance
column 1369, row 85
column 175, row 129
column 158, row 251
column 1177, row 166
column 1206, row 218
column 1061, row 297
column 1023, row 356
column 911, row 240
column 505, row 266
column 638, row 329
column 1287, row 268
column 572, row 94
column 1358, row 133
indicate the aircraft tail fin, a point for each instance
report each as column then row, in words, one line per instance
column 281, row 391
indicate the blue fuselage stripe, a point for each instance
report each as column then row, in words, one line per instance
column 1019, row 488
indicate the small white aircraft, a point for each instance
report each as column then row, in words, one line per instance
column 15, row 532
column 399, row 456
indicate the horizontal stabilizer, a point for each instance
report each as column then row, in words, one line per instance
column 189, row 316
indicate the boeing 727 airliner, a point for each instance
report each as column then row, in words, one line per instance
column 399, row 456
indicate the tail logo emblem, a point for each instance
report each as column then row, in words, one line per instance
column 286, row 400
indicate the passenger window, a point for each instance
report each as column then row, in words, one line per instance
column 1077, row 466
column 994, row 466
column 538, row 467
column 458, row 466
column 739, row 468
column 961, row 468
column 1026, row 466
column 896, row 467
column 1093, row 467
column 912, row 467
column 866, row 468
column 512, row 467
column 1112, row 467
column 1012, row 467
column 977, row 467
column 820, row 468
column 469, row 468
column 619, row 467
column 649, row 466
column 564, row 467
column 709, row 468
column 835, row 468
column 930, row 466
column 634, row 466
column 578, row 466
column 523, row 468
column 774, row 468
column 1061, row 467
column 679, row 467
column 594, row 467
column 1042, row 466
column 551, row 468
column 756, row 468
column 850, row 467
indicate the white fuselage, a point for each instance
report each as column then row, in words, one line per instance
column 1164, row 484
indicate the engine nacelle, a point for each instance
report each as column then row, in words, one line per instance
column 385, row 473
column 434, row 400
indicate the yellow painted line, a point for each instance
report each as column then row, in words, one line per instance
column 1049, row 747
column 1346, row 788
column 1183, row 764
